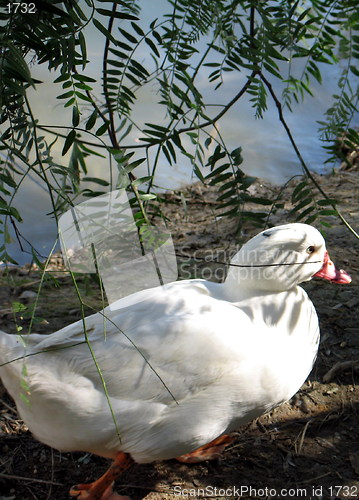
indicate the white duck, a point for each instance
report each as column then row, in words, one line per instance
column 186, row 365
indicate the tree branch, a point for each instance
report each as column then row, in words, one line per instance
column 297, row 152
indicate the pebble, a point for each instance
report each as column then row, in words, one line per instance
column 28, row 294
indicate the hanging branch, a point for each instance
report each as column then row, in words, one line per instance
column 300, row 158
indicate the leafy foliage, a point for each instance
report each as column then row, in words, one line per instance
column 192, row 41
column 307, row 208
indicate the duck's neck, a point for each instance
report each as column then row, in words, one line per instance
column 236, row 290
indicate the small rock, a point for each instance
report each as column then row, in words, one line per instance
column 28, row 295
column 328, row 392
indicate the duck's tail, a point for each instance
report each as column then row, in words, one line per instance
column 6, row 339
column 11, row 349
column 7, row 345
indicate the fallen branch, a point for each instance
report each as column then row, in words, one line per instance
column 340, row 366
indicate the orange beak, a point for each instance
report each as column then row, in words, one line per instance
column 331, row 273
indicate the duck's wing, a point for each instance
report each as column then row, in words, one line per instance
column 167, row 300
column 166, row 346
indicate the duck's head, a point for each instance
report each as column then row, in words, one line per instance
column 281, row 257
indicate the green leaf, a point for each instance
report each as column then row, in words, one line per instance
column 127, row 35
column 326, row 202
column 82, row 86
column 141, row 180
column 83, row 97
column 8, row 180
column 138, row 30
column 14, row 213
column 91, row 121
column 92, row 194
column 16, row 65
column 272, row 70
column 102, row 182
column 306, row 212
column 328, row 212
column 68, row 94
column 221, row 178
column 18, row 307
column 324, row 223
column 176, row 139
column 236, row 156
column 130, row 166
column 62, row 78
column 104, row 31
column 75, row 116
column 6, row 135
column 166, row 153
column 101, row 130
column 152, row 45
column 301, row 194
column 117, row 15
column 260, row 201
column 171, row 150
column 7, row 258
column 83, row 78
column 147, row 196
column 311, row 219
column 218, row 170
column 301, row 205
column 69, row 141
column 7, row 237
column 225, row 195
column 298, row 188
column 82, row 41
column 70, row 102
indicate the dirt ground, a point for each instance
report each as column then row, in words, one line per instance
column 306, row 449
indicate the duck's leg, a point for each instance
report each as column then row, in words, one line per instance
column 101, row 489
column 209, row 451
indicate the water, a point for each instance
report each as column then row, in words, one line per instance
column 266, row 148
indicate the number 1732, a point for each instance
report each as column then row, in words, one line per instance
column 22, row 7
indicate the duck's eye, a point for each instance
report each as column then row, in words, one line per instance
column 310, row 249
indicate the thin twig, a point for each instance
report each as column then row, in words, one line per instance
column 302, row 436
column 8, row 407
column 29, row 479
column 49, row 494
column 225, row 108
column 315, row 478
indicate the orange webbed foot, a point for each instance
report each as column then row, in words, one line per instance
column 102, row 488
column 85, row 492
column 209, row 451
